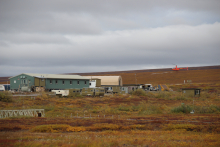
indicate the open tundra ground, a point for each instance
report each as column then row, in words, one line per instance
column 140, row 119
column 207, row 74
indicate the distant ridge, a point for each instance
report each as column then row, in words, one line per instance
column 203, row 74
column 146, row 70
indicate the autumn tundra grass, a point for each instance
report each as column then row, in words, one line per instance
column 139, row 119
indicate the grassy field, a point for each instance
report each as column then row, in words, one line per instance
column 144, row 119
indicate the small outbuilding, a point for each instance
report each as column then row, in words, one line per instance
column 112, row 84
column 194, row 92
column 108, row 80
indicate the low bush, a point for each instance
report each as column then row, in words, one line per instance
column 187, row 127
column 115, row 127
column 49, row 108
column 57, row 128
column 180, row 97
column 151, row 94
column 124, row 108
column 207, row 109
column 139, row 92
column 198, row 109
column 151, row 109
column 44, row 95
column 164, row 94
column 95, row 127
column 182, row 109
column 5, row 96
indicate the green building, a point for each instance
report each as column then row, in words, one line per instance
column 29, row 82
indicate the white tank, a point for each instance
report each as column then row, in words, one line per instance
column 2, row 88
column 25, row 89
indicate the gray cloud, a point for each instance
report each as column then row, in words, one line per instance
column 89, row 36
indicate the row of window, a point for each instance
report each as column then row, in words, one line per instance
column 63, row 82
column 24, row 81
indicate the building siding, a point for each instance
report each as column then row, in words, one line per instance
column 18, row 79
column 39, row 82
column 66, row 84
column 33, row 81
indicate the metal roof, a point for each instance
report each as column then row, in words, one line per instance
column 54, row 76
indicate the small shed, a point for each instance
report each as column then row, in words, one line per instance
column 195, row 92
column 108, row 80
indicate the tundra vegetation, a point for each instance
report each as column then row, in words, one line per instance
column 137, row 119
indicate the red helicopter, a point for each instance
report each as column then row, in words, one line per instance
column 177, row 69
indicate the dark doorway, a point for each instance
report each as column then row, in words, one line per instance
column 39, row 114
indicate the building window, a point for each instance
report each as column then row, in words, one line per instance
column 78, row 82
column 14, row 81
column 70, row 82
column 56, row 81
column 85, row 82
column 63, row 82
column 90, row 84
column 50, row 81
column 24, row 81
column 42, row 79
column 197, row 92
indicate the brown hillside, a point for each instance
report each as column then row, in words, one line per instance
column 207, row 74
column 4, row 80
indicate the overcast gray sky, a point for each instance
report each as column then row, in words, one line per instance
column 72, row 36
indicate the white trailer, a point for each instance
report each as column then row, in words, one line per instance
column 61, row 92
column 2, row 88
